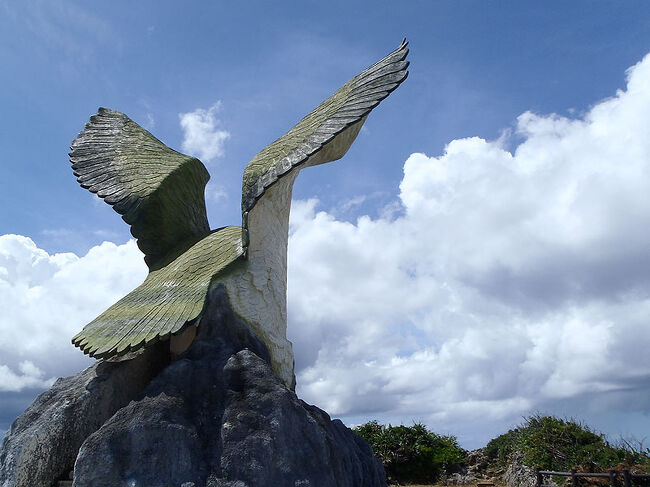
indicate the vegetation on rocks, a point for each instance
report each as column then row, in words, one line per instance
column 551, row 443
column 413, row 453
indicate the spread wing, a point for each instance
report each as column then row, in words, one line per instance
column 169, row 300
column 158, row 191
column 327, row 132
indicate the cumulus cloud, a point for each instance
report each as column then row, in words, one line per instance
column 46, row 299
column 507, row 281
column 203, row 136
column 29, row 376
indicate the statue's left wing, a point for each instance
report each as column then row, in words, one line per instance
column 158, row 191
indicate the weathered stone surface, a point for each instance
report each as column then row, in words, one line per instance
column 42, row 444
column 517, row 474
column 293, row 443
column 219, row 416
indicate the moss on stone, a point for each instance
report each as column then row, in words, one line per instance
column 166, row 301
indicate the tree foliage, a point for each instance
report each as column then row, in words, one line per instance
column 413, row 453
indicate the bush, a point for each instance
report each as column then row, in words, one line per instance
column 502, row 446
column 550, row 443
column 413, row 453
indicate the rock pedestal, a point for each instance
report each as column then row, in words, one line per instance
column 42, row 444
column 217, row 416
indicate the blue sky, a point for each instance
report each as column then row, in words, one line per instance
column 477, row 206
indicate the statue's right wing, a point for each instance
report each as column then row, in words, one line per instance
column 328, row 131
column 158, row 191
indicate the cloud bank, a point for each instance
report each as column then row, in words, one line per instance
column 45, row 300
column 509, row 281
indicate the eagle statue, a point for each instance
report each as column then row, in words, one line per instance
column 160, row 193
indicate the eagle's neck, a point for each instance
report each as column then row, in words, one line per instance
column 259, row 290
column 268, row 228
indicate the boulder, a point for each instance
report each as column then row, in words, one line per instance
column 517, row 474
column 42, row 444
column 216, row 416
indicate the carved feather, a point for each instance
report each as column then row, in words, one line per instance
column 158, row 191
column 345, row 108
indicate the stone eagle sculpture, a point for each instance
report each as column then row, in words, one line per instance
column 160, row 193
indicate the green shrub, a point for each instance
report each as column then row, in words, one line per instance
column 502, row 446
column 551, row 443
column 413, row 453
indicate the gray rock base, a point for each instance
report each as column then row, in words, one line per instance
column 217, row 416
column 42, row 444
column 517, row 474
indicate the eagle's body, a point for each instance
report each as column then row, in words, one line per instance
column 159, row 192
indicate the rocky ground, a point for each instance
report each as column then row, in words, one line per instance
column 481, row 472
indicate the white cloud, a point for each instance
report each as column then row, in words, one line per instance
column 29, row 376
column 46, row 299
column 508, row 281
column 150, row 124
column 215, row 192
column 203, row 136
